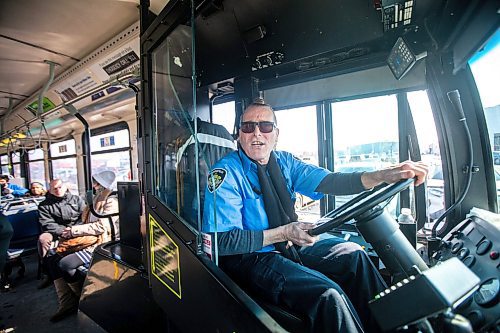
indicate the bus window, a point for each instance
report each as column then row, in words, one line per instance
column 298, row 135
column 365, row 136
column 16, row 164
column 36, row 166
column 485, row 68
column 224, row 114
column 4, row 162
column 111, row 151
column 429, row 149
column 64, row 167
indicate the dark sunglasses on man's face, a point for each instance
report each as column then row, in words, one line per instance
column 264, row 126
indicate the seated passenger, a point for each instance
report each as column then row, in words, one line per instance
column 36, row 190
column 329, row 281
column 59, row 210
column 11, row 189
column 63, row 266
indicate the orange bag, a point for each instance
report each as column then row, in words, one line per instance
column 71, row 245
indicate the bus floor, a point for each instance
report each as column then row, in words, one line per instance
column 26, row 309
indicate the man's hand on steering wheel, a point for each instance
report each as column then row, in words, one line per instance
column 296, row 233
column 392, row 174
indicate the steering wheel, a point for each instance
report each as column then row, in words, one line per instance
column 360, row 205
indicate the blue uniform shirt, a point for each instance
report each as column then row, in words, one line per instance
column 233, row 198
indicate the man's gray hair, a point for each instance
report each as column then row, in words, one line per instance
column 259, row 102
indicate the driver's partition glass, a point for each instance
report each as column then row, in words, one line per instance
column 174, row 176
column 365, row 137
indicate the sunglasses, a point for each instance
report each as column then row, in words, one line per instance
column 264, row 126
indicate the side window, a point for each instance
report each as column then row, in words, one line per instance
column 16, row 164
column 63, row 160
column 299, row 136
column 224, row 114
column 4, row 163
column 429, row 149
column 36, row 166
column 111, row 151
column 365, row 137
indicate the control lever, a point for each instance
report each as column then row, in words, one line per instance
column 454, row 97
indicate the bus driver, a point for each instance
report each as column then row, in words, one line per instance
column 329, row 281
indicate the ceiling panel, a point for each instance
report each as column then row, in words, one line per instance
column 62, row 31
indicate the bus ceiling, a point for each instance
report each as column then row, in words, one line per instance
column 34, row 34
column 279, row 44
column 270, row 41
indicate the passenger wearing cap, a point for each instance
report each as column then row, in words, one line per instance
column 63, row 271
column 36, row 190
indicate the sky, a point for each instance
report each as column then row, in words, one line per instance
column 485, row 66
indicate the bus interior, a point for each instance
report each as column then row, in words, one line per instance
column 154, row 91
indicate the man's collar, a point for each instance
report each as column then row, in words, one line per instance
column 248, row 163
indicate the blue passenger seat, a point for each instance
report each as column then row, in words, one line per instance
column 22, row 213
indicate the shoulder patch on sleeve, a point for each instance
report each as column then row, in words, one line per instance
column 215, row 179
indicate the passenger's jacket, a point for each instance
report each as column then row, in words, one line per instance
column 17, row 191
column 55, row 214
column 103, row 204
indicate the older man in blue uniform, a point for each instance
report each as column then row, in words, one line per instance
column 249, row 202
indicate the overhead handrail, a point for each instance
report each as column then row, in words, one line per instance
column 111, row 82
column 29, row 135
column 52, row 65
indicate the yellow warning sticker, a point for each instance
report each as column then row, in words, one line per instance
column 165, row 261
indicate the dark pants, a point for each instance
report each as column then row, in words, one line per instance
column 335, row 273
column 64, row 267
column 6, row 232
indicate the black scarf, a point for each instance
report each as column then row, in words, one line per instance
column 278, row 204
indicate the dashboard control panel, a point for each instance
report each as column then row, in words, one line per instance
column 475, row 242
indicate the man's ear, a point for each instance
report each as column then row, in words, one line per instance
column 277, row 136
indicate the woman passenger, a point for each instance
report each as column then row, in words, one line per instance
column 63, row 270
column 36, row 190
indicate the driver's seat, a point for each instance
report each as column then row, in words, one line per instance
column 214, row 143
